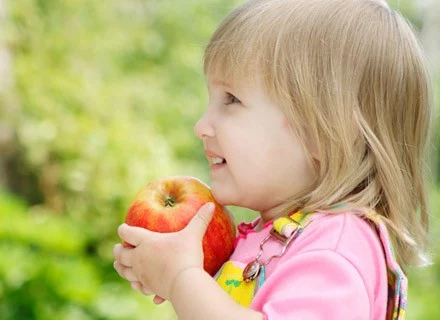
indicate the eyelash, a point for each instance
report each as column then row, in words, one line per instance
column 231, row 98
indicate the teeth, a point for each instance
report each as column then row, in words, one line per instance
column 217, row 160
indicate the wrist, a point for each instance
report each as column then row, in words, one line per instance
column 195, row 295
column 180, row 275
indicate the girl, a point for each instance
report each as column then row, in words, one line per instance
column 318, row 118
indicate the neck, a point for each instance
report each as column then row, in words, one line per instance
column 272, row 214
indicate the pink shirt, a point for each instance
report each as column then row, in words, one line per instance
column 335, row 269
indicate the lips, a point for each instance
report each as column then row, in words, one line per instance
column 217, row 160
column 214, row 158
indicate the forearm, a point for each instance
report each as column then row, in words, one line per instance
column 196, row 296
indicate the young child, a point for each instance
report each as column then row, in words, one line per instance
column 318, row 118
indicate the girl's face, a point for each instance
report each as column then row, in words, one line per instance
column 256, row 161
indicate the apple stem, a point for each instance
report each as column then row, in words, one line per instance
column 169, row 201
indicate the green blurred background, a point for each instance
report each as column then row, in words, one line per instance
column 96, row 99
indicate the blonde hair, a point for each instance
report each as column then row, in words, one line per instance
column 350, row 77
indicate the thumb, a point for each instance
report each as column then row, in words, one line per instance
column 199, row 223
column 158, row 300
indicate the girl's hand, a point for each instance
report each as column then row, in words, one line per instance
column 136, row 285
column 158, row 259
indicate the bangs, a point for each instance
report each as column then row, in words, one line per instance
column 233, row 58
column 253, row 43
column 231, row 61
column 240, row 48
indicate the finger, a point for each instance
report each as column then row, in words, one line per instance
column 122, row 255
column 131, row 235
column 201, row 220
column 158, row 300
column 146, row 291
column 119, row 268
column 136, row 285
column 125, row 272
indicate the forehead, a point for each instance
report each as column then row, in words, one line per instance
column 219, row 81
column 236, row 80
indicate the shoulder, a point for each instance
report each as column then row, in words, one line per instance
column 351, row 242
column 346, row 234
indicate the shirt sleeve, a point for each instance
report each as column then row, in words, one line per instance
column 314, row 285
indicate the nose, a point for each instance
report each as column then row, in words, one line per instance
column 204, row 127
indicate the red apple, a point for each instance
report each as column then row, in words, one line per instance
column 168, row 204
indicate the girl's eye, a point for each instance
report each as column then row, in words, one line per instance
column 231, row 99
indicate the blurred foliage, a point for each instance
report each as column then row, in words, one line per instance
column 103, row 99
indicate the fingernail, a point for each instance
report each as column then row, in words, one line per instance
column 210, row 206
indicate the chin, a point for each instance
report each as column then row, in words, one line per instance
column 223, row 197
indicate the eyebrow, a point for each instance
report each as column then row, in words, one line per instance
column 222, row 83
